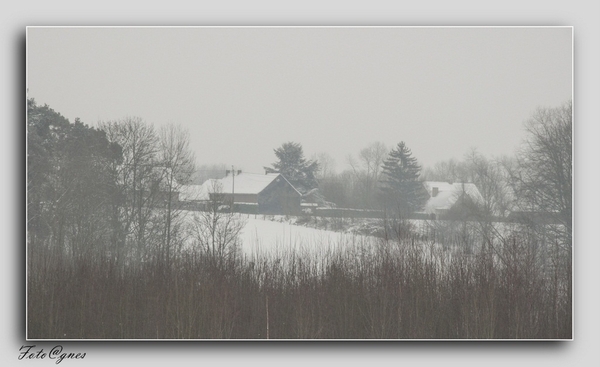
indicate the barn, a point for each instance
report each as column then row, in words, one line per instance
column 270, row 193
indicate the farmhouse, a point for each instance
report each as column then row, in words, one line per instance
column 452, row 200
column 269, row 193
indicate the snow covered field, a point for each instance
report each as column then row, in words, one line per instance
column 277, row 237
column 263, row 236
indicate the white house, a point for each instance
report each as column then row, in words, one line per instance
column 450, row 199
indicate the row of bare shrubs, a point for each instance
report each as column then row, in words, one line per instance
column 402, row 289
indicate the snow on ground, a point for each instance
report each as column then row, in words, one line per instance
column 277, row 238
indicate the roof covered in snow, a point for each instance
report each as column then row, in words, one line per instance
column 194, row 192
column 247, row 183
column 243, row 183
column 448, row 194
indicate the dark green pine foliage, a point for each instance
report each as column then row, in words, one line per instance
column 69, row 186
column 294, row 167
column 402, row 191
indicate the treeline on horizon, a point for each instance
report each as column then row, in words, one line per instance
column 112, row 255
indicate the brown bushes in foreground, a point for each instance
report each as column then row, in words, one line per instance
column 396, row 291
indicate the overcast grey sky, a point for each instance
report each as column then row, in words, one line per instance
column 242, row 92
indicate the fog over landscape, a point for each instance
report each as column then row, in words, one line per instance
column 300, row 183
column 242, row 92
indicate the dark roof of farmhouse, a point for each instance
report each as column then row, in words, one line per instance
column 243, row 183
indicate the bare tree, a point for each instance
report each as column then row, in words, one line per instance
column 215, row 231
column 544, row 178
column 177, row 163
column 451, row 170
column 326, row 165
column 372, row 158
column 137, row 178
column 366, row 170
column 491, row 181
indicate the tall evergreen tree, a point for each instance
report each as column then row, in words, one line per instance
column 294, row 167
column 402, row 191
column 69, row 184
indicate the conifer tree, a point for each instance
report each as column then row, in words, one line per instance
column 69, row 185
column 401, row 189
column 294, row 167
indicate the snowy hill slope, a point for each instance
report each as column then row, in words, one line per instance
column 261, row 236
